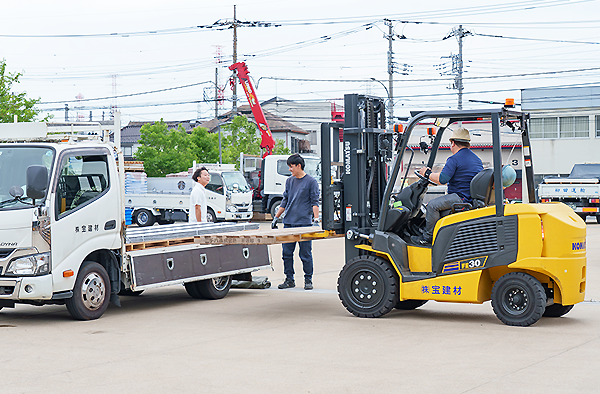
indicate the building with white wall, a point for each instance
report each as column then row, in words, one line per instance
column 564, row 127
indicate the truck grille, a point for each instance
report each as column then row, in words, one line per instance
column 4, row 253
column 6, row 290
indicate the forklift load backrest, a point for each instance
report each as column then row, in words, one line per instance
column 482, row 188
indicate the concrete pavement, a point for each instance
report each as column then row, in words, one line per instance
column 296, row 341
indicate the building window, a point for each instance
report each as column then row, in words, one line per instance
column 563, row 127
column 127, row 151
column 544, row 128
column 574, row 127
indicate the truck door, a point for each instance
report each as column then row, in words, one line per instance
column 215, row 194
column 86, row 206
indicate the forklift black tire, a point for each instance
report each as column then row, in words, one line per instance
column 518, row 299
column 368, row 286
column 192, row 289
column 409, row 305
column 143, row 218
column 557, row 310
column 91, row 292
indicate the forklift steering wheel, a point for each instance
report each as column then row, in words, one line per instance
column 424, row 178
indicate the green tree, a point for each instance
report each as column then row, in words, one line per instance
column 242, row 137
column 165, row 151
column 280, row 148
column 205, row 145
column 12, row 103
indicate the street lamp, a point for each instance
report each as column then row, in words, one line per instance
column 390, row 121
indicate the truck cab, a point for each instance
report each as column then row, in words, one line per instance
column 276, row 172
column 50, row 197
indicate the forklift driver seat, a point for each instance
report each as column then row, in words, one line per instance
column 482, row 193
column 482, row 188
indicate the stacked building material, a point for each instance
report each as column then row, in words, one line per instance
column 183, row 230
column 136, row 183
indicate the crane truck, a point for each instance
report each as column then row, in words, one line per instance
column 529, row 259
column 63, row 238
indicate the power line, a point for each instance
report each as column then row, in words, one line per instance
column 537, row 39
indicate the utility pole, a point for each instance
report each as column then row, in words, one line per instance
column 457, row 62
column 216, row 92
column 66, row 112
column 390, row 38
column 234, row 57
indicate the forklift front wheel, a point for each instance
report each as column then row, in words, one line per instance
column 518, row 299
column 368, row 286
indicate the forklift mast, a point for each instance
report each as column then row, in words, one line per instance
column 353, row 203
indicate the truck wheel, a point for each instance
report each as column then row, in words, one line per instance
column 557, row 310
column 518, row 299
column 144, row 218
column 598, row 219
column 192, row 289
column 409, row 305
column 210, row 215
column 275, row 208
column 91, row 292
column 215, row 288
column 368, row 287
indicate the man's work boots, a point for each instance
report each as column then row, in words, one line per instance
column 308, row 284
column 287, row 284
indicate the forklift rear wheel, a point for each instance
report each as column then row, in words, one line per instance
column 144, row 218
column 91, row 292
column 518, row 299
column 557, row 310
column 409, row 305
column 368, row 287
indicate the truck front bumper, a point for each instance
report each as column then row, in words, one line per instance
column 238, row 215
column 26, row 288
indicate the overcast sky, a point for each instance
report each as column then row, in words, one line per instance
column 67, row 49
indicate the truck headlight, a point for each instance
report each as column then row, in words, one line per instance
column 35, row 264
column 231, row 208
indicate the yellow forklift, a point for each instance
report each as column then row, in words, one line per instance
column 529, row 259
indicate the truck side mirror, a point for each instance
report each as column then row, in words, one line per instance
column 37, row 181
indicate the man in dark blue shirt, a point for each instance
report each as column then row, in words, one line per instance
column 301, row 207
column 458, row 172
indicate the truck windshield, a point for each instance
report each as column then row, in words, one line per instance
column 13, row 169
column 313, row 168
column 232, row 178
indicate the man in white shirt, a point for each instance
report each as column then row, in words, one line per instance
column 198, row 200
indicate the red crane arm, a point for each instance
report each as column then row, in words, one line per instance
column 267, row 141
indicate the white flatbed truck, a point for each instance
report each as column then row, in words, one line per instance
column 167, row 200
column 580, row 190
column 63, row 238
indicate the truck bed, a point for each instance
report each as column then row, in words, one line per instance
column 167, row 255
